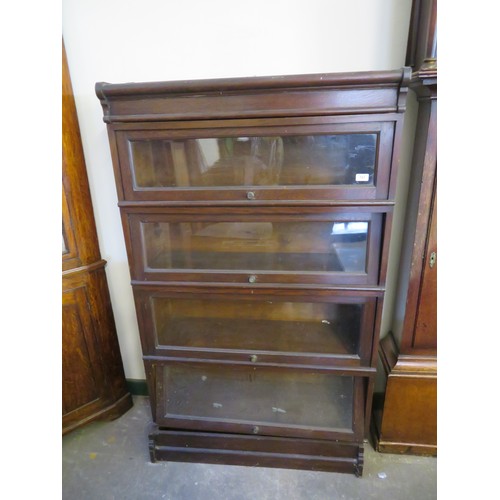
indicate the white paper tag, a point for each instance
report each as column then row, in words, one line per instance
column 362, row 177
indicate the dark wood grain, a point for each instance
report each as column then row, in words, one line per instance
column 250, row 83
column 321, row 94
column 256, row 451
column 422, row 288
column 238, row 278
column 425, row 334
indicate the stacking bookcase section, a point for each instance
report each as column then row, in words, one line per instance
column 283, row 161
column 338, row 245
column 257, row 215
column 278, row 401
column 321, row 328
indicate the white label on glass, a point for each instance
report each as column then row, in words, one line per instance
column 362, row 177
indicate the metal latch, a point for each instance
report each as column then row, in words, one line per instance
column 432, row 259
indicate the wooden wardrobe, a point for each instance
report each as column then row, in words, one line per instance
column 93, row 380
column 406, row 422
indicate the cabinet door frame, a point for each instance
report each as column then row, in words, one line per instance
column 232, row 425
column 384, row 127
column 371, row 299
column 375, row 216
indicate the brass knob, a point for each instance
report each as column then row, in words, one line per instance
column 253, row 358
column 251, row 195
column 252, row 279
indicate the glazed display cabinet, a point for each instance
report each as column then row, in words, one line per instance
column 257, row 216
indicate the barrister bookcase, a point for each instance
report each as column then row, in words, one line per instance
column 257, row 216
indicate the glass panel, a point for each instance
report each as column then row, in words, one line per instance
column 64, row 242
column 256, row 246
column 349, row 241
column 64, row 248
column 311, row 327
column 342, row 159
column 259, row 395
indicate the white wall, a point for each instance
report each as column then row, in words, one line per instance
column 152, row 40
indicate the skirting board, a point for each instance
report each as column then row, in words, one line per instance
column 137, row 387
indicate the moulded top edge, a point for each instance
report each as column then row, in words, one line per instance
column 398, row 77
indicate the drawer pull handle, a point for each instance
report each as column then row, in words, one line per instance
column 255, row 430
column 253, row 358
column 251, row 195
column 252, row 279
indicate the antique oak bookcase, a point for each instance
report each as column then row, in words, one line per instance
column 257, row 216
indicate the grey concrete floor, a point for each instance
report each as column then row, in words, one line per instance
column 110, row 461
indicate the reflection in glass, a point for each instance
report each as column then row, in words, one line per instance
column 257, row 246
column 341, row 159
column 349, row 242
column 275, row 325
column 64, row 244
column 259, row 395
